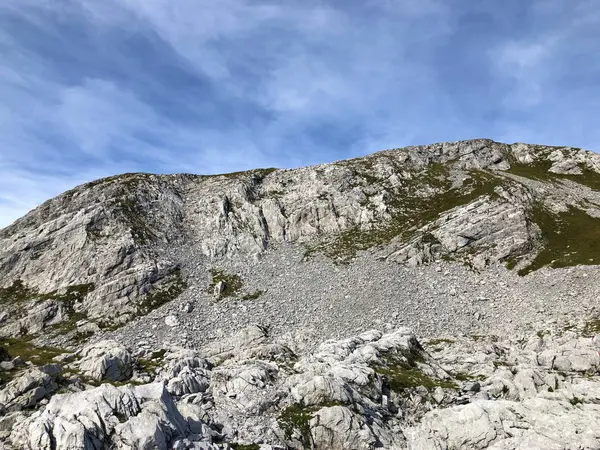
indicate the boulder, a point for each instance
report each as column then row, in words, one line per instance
column 105, row 360
column 30, row 387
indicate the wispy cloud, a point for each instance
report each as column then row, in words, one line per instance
column 92, row 88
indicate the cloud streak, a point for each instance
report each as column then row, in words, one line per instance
column 94, row 88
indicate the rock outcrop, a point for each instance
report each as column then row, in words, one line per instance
column 370, row 391
column 105, row 360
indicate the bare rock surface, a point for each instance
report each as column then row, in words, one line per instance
column 29, row 388
column 104, row 360
column 119, row 247
column 373, row 390
column 430, row 297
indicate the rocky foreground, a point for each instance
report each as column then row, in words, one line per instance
column 374, row 390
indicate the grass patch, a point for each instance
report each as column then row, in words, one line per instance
column 511, row 263
column 402, row 372
column 569, row 238
column 236, row 446
column 39, row 355
column 17, row 292
column 233, row 283
column 591, row 328
column 296, row 417
column 418, row 201
column 167, row 292
column 538, row 170
column 152, row 365
column 401, row 378
column 501, row 364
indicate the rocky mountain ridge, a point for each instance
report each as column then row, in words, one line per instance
column 187, row 311
column 104, row 251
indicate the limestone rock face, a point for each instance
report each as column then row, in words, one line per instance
column 228, row 290
column 110, row 247
column 125, row 417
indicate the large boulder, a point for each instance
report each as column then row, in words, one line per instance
column 30, row 387
column 185, row 372
column 105, row 360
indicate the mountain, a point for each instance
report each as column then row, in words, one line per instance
column 462, row 239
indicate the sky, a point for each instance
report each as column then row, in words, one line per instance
column 92, row 88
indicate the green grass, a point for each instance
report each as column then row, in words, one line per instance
column 569, row 238
column 17, row 292
column 23, row 347
column 400, row 377
column 402, row 372
column 233, row 283
column 172, row 288
column 511, row 263
column 296, row 417
column 538, row 170
column 236, row 446
column 591, row 328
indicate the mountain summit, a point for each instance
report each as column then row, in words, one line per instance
column 116, row 247
column 208, row 296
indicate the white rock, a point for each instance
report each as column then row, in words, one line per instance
column 171, row 321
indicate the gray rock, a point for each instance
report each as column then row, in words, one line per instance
column 171, row 321
column 105, row 360
column 107, row 416
column 7, row 365
column 132, row 251
column 219, row 288
column 30, row 387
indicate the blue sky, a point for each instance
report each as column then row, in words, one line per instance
column 91, row 88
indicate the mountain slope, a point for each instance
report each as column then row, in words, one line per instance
column 119, row 247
